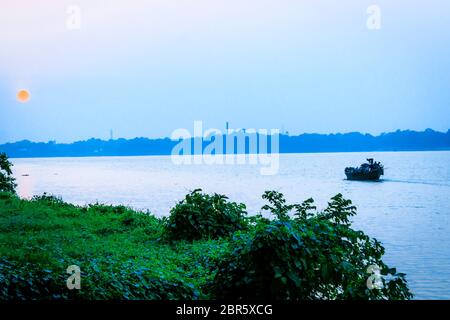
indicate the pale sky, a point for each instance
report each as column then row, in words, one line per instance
column 146, row 68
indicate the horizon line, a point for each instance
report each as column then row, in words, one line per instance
column 236, row 131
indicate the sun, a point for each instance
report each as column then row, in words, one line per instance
column 23, row 95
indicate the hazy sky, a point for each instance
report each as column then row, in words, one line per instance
column 146, row 68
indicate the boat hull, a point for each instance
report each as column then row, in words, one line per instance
column 369, row 176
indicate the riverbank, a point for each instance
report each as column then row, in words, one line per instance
column 125, row 254
column 117, row 249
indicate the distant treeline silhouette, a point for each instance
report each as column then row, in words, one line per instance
column 428, row 140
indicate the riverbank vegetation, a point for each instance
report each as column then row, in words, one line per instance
column 207, row 248
column 7, row 181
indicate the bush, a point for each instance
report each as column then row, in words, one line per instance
column 300, row 254
column 50, row 200
column 203, row 216
column 311, row 256
column 116, row 248
column 7, row 181
column 105, row 278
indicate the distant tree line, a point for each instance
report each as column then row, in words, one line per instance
column 428, row 140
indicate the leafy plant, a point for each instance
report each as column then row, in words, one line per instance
column 277, row 205
column 104, row 278
column 304, row 254
column 7, row 181
column 203, row 216
column 116, row 248
column 311, row 256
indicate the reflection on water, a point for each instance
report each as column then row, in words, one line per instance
column 408, row 210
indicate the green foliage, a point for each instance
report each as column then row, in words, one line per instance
column 7, row 181
column 311, row 256
column 300, row 254
column 203, row 216
column 277, row 205
column 103, row 278
column 117, row 249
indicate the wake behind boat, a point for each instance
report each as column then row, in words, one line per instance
column 367, row 171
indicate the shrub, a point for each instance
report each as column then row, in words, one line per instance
column 311, row 256
column 101, row 279
column 49, row 199
column 203, row 216
column 116, row 248
column 7, row 181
